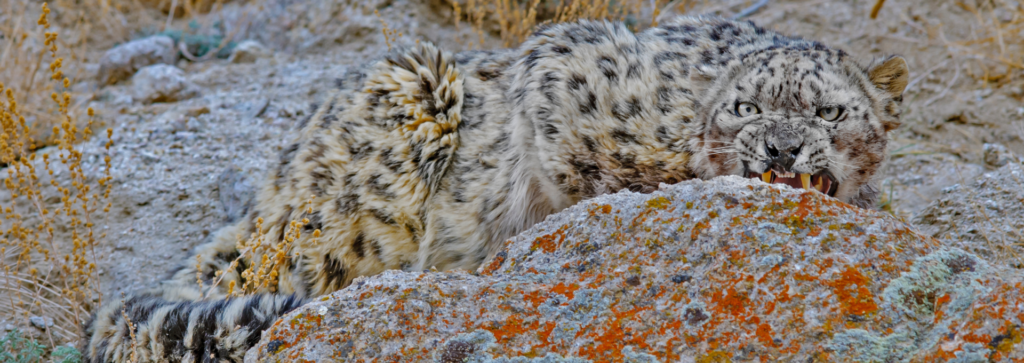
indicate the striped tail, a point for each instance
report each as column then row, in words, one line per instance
column 182, row 331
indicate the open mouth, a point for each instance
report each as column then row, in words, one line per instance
column 819, row 182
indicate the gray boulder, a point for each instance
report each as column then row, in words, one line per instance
column 985, row 217
column 121, row 62
column 162, row 83
column 703, row 271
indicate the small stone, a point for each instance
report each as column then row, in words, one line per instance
column 122, row 61
column 41, row 322
column 9, row 327
column 162, row 83
column 248, row 52
column 997, row 155
column 681, row 278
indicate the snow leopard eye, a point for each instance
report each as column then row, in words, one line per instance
column 830, row 113
column 744, row 109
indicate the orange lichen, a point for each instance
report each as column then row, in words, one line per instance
column 764, row 335
column 851, row 289
column 942, row 300
column 608, row 345
column 568, row 290
column 549, row 242
column 494, row 265
column 604, row 208
column 732, row 302
column 697, row 228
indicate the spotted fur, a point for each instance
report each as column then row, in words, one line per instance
column 427, row 159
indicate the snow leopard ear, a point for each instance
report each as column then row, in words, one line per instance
column 890, row 75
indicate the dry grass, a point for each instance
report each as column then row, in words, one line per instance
column 48, row 252
column 995, row 49
column 48, row 247
column 514, row 20
column 991, row 51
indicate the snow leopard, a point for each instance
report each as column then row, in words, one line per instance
column 431, row 159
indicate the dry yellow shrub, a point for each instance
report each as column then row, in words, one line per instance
column 265, row 259
column 390, row 35
column 48, row 253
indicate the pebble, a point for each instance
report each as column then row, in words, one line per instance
column 249, row 51
column 997, row 155
column 41, row 322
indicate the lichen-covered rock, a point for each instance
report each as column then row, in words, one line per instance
column 702, row 271
column 985, row 217
column 122, row 61
column 162, row 83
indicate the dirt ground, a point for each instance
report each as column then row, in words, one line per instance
column 173, row 163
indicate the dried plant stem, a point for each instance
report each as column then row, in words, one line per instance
column 875, row 9
column 750, row 10
column 131, row 333
column 170, row 14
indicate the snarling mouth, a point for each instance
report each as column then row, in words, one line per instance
column 820, row 182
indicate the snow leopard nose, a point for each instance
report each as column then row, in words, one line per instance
column 782, row 152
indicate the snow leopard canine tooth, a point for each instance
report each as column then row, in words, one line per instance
column 767, row 177
column 805, row 181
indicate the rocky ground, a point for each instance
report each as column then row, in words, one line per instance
column 191, row 139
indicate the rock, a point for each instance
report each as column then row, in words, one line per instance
column 249, row 51
column 997, row 155
column 914, row 181
column 162, row 83
column 709, row 271
column 985, row 217
column 41, row 322
column 122, row 61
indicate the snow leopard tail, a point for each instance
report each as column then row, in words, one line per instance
column 179, row 321
column 182, row 331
